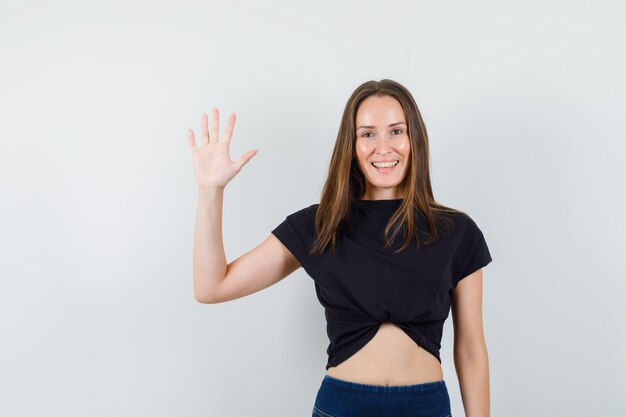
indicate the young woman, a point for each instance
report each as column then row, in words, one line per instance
column 388, row 262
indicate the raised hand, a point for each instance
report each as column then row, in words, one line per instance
column 212, row 164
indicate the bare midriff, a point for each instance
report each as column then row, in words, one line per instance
column 391, row 357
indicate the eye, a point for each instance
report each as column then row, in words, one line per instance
column 366, row 133
column 398, row 130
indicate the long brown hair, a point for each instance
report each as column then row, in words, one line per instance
column 345, row 182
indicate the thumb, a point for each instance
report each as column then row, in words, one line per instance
column 245, row 158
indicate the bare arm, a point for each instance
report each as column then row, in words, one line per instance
column 209, row 259
column 470, row 350
column 214, row 279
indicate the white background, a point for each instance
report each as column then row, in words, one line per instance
column 524, row 105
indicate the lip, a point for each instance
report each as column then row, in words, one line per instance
column 389, row 160
column 386, row 170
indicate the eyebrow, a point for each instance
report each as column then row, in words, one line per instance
column 374, row 127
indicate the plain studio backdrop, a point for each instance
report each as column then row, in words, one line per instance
column 524, row 106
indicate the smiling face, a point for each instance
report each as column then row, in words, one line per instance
column 381, row 136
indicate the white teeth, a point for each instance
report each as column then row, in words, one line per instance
column 384, row 164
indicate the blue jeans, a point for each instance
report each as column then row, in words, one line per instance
column 340, row 398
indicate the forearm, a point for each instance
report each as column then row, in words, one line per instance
column 473, row 372
column 209, row 259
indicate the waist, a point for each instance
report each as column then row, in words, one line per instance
column 431, row 386
column 385, row 368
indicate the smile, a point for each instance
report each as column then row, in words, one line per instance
column 385, row 167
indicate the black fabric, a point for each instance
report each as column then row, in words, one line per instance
column 364, row 284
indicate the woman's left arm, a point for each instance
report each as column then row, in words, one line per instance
column 470, row 350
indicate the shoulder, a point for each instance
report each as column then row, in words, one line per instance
column 303, row 220
column 465, row 221
column 304, row 214
column 464, row 226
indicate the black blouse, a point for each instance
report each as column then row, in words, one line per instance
column 364, row 284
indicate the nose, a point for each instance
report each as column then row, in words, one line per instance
column 383, row 145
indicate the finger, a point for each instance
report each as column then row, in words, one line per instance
column 191, row 139
column 229, row 128
column 216, row 126
column 244, row 159
column 204, row 121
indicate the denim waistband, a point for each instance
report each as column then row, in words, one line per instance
column 423, row 387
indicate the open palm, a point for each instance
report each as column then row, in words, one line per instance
column 212, row 164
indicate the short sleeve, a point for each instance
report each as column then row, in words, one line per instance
column 296, row 233
column 472, row 253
